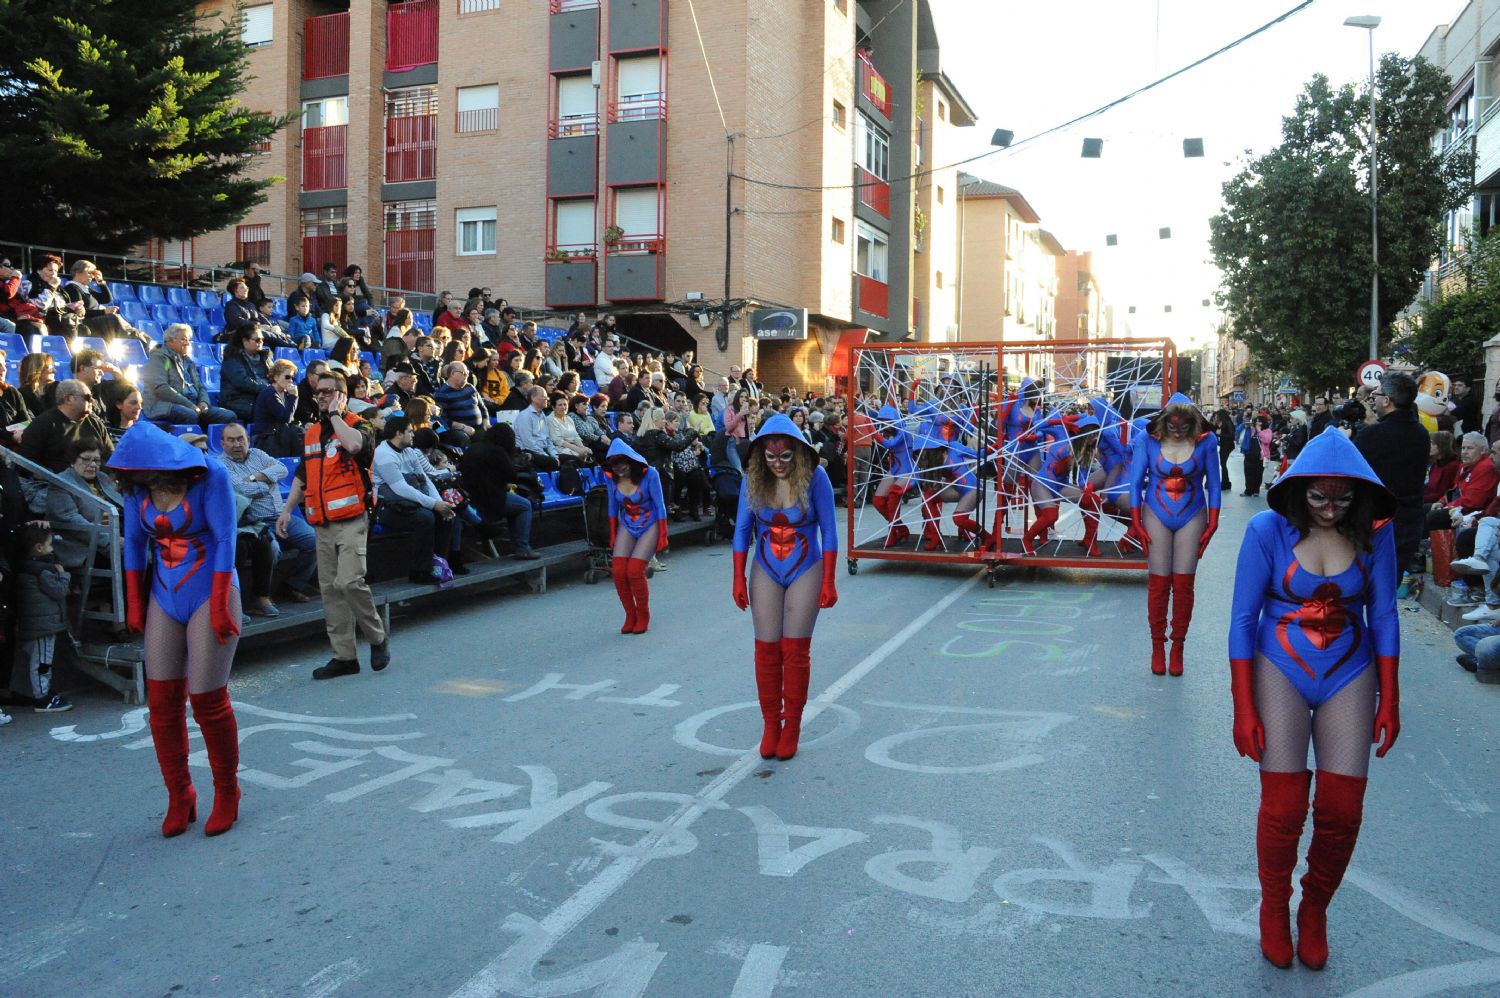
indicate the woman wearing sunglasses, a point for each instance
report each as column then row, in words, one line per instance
column 786, row 513
column 1174, row 511
column 1314, row 608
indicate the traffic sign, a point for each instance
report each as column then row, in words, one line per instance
column 1369, row 373
column 1238, row 396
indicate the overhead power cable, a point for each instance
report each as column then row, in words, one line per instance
column 1050, row 131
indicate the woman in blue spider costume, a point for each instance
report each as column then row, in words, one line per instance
column 1314, row 608
column 1067, row 471
column 637, row 504
column 892, row 434
column 786, row 514
column 180, row 529
column 1174, row 512
column 1018, row 445
column 948, row 475
column 1116, row 435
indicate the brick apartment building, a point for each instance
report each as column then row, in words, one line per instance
column 571, row 155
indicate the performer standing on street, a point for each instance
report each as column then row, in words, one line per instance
column 1174, row 511
column 786, row 512
column 1314, row 608
column 636, row 502
column 180, row 526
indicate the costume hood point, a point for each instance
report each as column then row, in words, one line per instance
column 1331, row 454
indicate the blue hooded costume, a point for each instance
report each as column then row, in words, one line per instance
column 1057, row 470
column 1320, row 631
column 790, row 541
column 1175, row 492
column 636, row 513
column 958, row 462
column 190, row 549
column 898, row 444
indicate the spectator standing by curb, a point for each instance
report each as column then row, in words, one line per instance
column 333, row 486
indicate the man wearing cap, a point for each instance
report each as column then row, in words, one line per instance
column 307, row 290
column 403, row 387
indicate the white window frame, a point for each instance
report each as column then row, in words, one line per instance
column 573, row 222
column 256, row 25
column 323, row 104
column 639, row 100
column 485, row 97
column 877, row 257
column 477, row 225
column 872, row 147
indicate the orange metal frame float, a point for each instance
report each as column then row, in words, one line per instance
column 994, row 553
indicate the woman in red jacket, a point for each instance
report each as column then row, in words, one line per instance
column 1442, row 468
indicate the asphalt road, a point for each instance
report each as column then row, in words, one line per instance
column 994, row 797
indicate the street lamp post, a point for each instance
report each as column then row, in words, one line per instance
column 1370, row 23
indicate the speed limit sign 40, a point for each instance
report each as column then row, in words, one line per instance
column 1369, row 373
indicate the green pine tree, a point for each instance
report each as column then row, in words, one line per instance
column 120, row 121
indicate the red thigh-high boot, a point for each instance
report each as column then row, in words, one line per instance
column 768, row 686
column 619, row 570
column 1338, row 808
column 640, row 590
column 1158, row 594
column 932, row 515
column 1182, row 615
column 890, row 508
column 1091, row 509
column 167, row 701
column 1039, row 529
column 969, row 530
column 221, row 735
column 1278, row 829
column 796, row 664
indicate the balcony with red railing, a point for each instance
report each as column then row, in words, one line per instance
column 569, row 125
column 874, row 296
column 642, row 107
column 874, row 86
column 325, row 46
column 323, row 158
column 653, row 242
column 411, row 35
column 411, row 148
column 409, row 259
column 318, row 250
column 571, row 252
column 873, row 192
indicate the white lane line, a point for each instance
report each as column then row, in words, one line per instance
column 332, row 977
column 490, row 980
column 758, row 975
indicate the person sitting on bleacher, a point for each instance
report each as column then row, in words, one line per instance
column 45, row 292
column 462, row 407
column 86, row 285
column 13, row 408
column 257, row 476
column 246, row 372
column 519, row 398
column 173, row 385
column 402, row 389
column 565, row 436
column 532, row 433
column 493, row 383
column 333, row 325
column 47, row 439
column 90, row 366
column 400, row 340
column 453, row 316
column 14, row 305
column 593, row 432
column 124, row 408
column 307, row 290
column 424, row 360
column 239, row 311
column 72, row 519
column 302, row 326
column 490, row 469
column 326, row 290
column 408, row 500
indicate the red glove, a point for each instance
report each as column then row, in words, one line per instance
column 1138, row 530
column 1208, row 533
column 135, row 601
column 614, row 528
column 741, row 590
column 1388, row 714
column 661, row 537
column 1249, row 733
column 829, row 595
column 226, row 623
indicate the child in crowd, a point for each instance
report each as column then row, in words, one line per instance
column 42, row 587
column 302, row 325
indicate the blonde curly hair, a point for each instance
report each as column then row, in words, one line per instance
column 761, row 483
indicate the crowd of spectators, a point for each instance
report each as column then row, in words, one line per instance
column 464, row 413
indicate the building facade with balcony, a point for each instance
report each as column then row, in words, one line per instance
column 587, row 168
column 1009, row 269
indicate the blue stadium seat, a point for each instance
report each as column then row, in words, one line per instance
column 132, row 352
column 134, row 312
column 422, row 321
column 208, row 299
column 314, row 353
column 216, row 317
column 179, row 429
column 211, row 376
column 181, row 297
column 78, row 343
column 193, row 315
column 150, row 294
column 57, row 346
column 588, row 387
column 278, row 308
column 120, row 292
column 216, row 351
column 150, row 327
column 165, row 314
column 612, row 417
column 14, row 347
column 216, row 437
column 372, row 358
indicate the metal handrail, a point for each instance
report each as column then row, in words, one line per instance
column 98, row 531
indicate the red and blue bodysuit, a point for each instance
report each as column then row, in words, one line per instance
column 1319, row 631
column 635, row 521
column 1174, row 492
column 892, row 434
column 788, row 542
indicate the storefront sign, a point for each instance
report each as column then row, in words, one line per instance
column 779, row 323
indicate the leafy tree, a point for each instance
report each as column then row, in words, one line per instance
column 1292, row 240
column 120, row 121
column 1450, row 333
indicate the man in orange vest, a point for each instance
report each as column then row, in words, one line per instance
column 333, row 488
